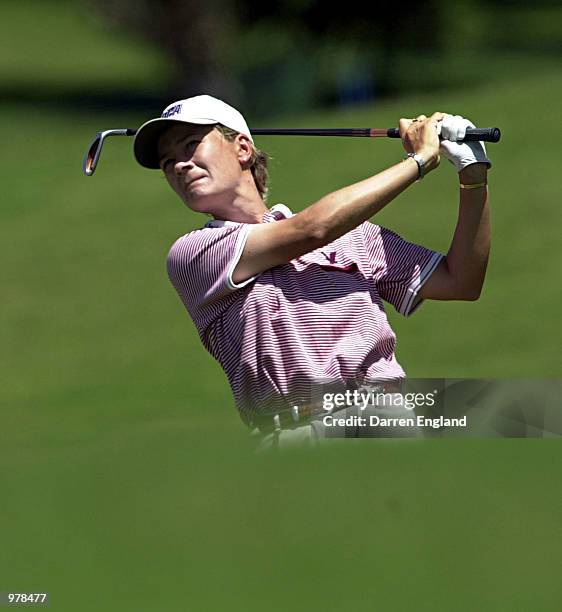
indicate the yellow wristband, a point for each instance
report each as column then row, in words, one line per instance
column 474, row 186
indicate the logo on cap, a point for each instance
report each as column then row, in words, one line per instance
column 174, row 110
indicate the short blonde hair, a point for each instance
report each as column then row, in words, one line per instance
column 258, row 162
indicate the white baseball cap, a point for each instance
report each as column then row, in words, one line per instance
column 201, row 110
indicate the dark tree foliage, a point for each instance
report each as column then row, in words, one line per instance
column 298, row 53
column 196, row 35
column 200, row 36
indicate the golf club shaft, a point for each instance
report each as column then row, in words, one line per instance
column 472, row 134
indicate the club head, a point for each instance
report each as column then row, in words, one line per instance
column 94, row 151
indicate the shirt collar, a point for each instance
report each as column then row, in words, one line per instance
column 275, row 213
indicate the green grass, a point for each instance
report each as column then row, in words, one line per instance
column 61, row 45
column 128, row 482
column 166, row 517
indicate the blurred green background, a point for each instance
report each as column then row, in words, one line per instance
column 128, row 481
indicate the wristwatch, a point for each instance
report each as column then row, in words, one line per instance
column 421, row 164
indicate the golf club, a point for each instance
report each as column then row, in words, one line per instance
column 472, row 134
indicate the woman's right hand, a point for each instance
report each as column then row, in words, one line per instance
column 421, row 136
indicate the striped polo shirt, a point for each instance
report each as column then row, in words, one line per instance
column 318, row 318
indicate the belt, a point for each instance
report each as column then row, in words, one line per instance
column 297, row 416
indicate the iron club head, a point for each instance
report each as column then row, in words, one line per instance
column 94, row 151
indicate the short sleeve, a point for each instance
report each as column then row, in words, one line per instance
column 200, row 267
column 400, row 268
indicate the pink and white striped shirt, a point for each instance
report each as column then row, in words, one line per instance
column 318, row 318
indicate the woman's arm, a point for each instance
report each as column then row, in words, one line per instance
column 273, row 244
column 460, row 275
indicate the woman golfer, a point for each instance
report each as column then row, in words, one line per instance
column 291, row 303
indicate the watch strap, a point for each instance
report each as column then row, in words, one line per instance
column 421, row 163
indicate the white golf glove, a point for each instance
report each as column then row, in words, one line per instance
column 460, row 154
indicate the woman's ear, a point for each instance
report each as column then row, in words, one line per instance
column 245, row 149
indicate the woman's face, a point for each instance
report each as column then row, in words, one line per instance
column 201, row 166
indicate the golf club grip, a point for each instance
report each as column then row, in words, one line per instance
column 485, row 134
column 472, row 134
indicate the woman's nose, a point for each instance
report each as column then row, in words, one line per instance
column 181, row 166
